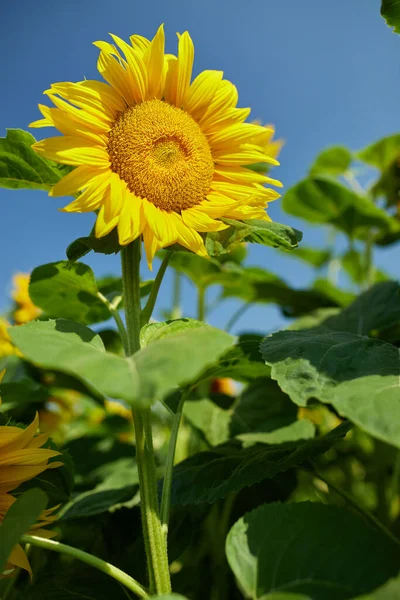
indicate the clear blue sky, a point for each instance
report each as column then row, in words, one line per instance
column 323, row 72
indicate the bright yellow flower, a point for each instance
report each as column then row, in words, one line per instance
column 18, row 558
column 157, row 155
column 6, row 346
column 26, row 310
column 22, row 456
column 271, row 147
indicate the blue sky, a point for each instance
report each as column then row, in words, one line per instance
column 323, row 72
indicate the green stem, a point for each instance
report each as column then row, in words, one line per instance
column 89, row 559
column 236, row 316
column 154, row 540
column 148, row 309
column 361, row 509
column 167, row 485
column 176, row 312
column 201, row 304
column 369, row 261
column 130, row 256
column 113, row 308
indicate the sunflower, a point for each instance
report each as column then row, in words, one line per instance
column 18, row 558
column 6, row 346
column 156, row 154
column 22, row 456
column 25, row 310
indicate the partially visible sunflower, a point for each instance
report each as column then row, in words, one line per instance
column 22, row 456
column 6, row 346
column 18, row 557
column 21, row 459
column 157, row 155
column 25, row 310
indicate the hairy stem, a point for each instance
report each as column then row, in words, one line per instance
column 154, row 540
column 89, row 559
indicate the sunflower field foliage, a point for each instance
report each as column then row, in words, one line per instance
column 171, row 459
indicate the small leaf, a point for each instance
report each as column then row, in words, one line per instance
column 332, row 161
column 68, row 291
column 156, row 331
column 18, row 519
column 21, row 167
column 108, row 244
column 278, row 546
column 382, row 153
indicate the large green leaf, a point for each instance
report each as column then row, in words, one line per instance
column 278, row 547
column 358, row 375
column 18, row 519
column 388, row 591
column 209, row 476
column 382, row 153
column 324, row 201
column 332, row 161
column 377, row 308
column 390, row 11
column 140, row 380
column 22, row 167
column 69, row 291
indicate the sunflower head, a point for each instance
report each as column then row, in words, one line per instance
column 157, row 155
column 22, row 455
column 25, row 309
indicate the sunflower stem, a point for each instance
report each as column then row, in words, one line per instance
column 154, row 539
column 148, row 309
column 89, row 559
column 201, row 304
column 167, row 485
column 176, row 311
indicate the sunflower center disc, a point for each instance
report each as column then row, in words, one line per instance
column 162, row 154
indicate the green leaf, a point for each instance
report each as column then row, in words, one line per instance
column 389, row 591
column 118, row 486
column 359, row 376
column 332, row 161
column 313, row 256
column 169, row 597
column 139, row 380
column 383, row 152
column 377, row 308
column 209, row 476
column 323, row 201
column 157, row 331
column 108, row 244
column 243, row 362
column 257, row 231
column 69, row 291
column 298, row 430
column 278, row 547
column 210, row 419
column 17, row 521
column 21, row 167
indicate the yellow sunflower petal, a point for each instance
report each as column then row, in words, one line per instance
column 197, row 219
column 74, row 181
column 185, row 66
column 74, row 151
column 132, row 220
column 103, row 226
column 136, row 71
column 80, row 115
column 160, row 223
column 151, row 245
column 92, row 197
column 187, row 237
column 116, row 75
column 139, row 43
column 18, row 559
column 154, row 58
column 201, row 92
